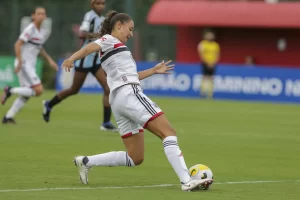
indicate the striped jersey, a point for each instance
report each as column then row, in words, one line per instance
column 91, row 24
column 117, row 62
column 33, row 41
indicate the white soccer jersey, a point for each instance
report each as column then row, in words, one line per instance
column 33, row 41
column 117, row 62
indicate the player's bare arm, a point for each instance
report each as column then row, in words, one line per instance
column 88, row 49
column 161, row 68
column 49, row 59
column 18, row 46
column 87, row 35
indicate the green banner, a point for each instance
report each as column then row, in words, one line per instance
column 7, row 73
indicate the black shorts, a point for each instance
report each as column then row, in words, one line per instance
column 93, row 69
column 208, row 71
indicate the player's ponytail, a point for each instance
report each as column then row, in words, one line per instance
column 106, row 25
column 112, row 18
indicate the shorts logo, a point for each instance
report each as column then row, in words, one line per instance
column 124, row 78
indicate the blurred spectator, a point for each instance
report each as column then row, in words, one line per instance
column 249, row 60
column 209, row 52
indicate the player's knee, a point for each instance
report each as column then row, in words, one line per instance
column 38, row 91
column 136, row 158
column 74, row 90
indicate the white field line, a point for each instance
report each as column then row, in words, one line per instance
column 130, row 187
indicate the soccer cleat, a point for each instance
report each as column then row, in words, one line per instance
column 6, row 94
column 195, row 184
column 46, row 111
column 205, row 186
column 82, row 168
column 6, row 120
column 108, row 126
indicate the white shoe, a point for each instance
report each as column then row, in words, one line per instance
column 194, row 184
column 83, row 170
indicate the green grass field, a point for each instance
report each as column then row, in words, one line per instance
column 241, row 142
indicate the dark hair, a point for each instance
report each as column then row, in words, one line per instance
column 112, row 18
column 34, row 10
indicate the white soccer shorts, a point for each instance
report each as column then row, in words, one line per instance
column 28, row 77
column 132, row 109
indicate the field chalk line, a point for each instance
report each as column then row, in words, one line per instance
column 142, row 186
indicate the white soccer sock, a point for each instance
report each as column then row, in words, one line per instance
column 16, row 107
column 176, row 159
column 23, row 91
column 111, row 159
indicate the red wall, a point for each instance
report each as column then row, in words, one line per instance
column 236, row 44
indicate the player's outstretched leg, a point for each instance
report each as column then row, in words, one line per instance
column 78, row 80
column 22, row 91
column 14, row 109
column 106, row 125
column 25, row 93
column 161, row 127
column 134, row 156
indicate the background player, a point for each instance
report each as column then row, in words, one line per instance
column 91, row 63
column 132, row 109
column 209, row 52
column 27, row 49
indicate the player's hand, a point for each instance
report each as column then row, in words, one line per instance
column 18, row 68
column 163, row 67
column 53, row 64
column 67, row 64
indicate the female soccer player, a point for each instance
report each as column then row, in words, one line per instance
column 132, row 109
column 91, row 63
column 27, row 48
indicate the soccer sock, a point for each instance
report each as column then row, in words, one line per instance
column 110, row 159
column 107, row 114
column 176, row 159
column 23, row 91
column 16, row 106
column 55, row 100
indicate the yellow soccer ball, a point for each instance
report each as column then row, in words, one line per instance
column 199, row 172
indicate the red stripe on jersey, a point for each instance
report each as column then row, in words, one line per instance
column 36, row 38
column 119, row 45
column 27, row 35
